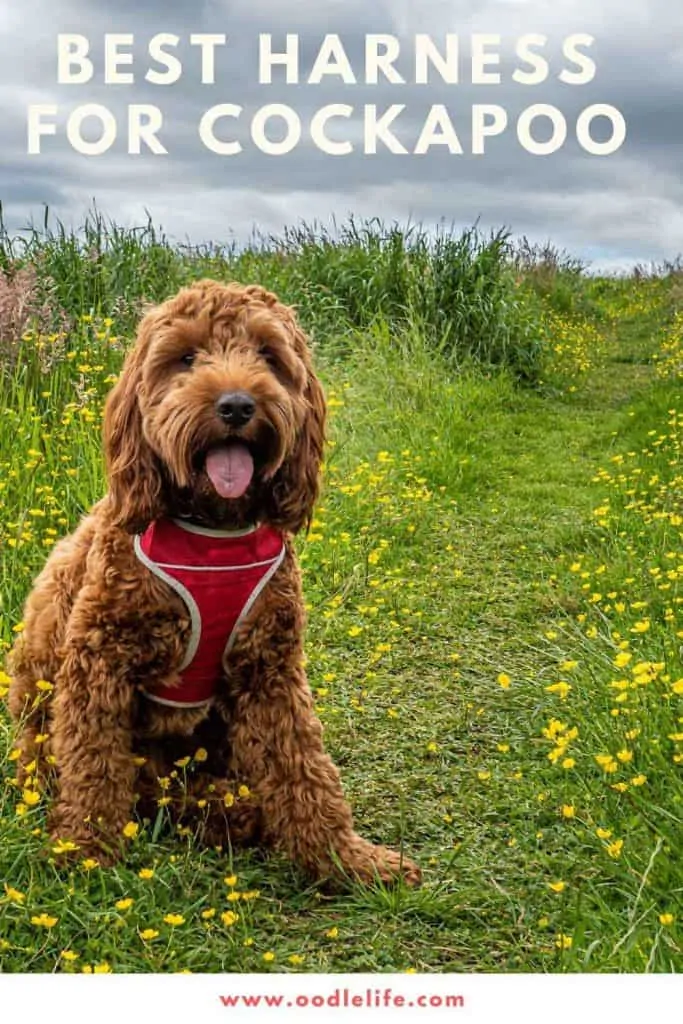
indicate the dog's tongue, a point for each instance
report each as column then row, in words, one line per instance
column 230, row 469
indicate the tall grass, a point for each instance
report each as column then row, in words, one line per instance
column 462, row 289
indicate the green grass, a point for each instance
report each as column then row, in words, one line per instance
column 456, row 568
column 461, row 289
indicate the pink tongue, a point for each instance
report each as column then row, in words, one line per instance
column 230, row 469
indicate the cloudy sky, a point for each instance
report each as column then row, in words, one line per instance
column 613, row 210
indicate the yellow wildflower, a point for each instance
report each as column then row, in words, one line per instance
column 606, row 762
column 561, row 689
column 44, row 920
column 64, row 846
column 13, row 895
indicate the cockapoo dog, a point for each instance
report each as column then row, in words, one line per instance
column 170, row 623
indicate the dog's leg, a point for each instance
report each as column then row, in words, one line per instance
column 278, row 751
column 276, row 745
column 36, row 657
column 92, row 743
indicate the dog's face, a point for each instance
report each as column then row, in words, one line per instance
column 217, row 413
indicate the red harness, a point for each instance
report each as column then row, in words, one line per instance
column 219, row 575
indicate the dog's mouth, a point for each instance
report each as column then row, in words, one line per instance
column 232, row 464
column 230, row 468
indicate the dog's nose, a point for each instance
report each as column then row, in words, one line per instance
column 235, row 408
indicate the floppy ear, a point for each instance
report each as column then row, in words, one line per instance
column 295, row 486
column 134, row 472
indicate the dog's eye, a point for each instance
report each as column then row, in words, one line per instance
column 272, row 361
column 188, row 359
column 283, row 364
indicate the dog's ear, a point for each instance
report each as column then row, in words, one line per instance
column 295, row 486
column 134, row 472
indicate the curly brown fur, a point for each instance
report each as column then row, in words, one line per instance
column 99, row 625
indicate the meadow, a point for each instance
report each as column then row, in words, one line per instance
column 493, row 579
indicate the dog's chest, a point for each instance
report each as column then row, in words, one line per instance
column 218, row 575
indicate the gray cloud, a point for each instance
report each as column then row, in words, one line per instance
column 615, row 210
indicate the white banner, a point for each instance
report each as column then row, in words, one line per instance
column 234, row 998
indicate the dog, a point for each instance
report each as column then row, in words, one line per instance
column 161, row 662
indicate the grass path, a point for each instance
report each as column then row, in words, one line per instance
column 442, row 606
column 524, row 497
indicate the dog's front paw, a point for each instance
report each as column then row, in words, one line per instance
column 370, row 863
column 390, row 866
